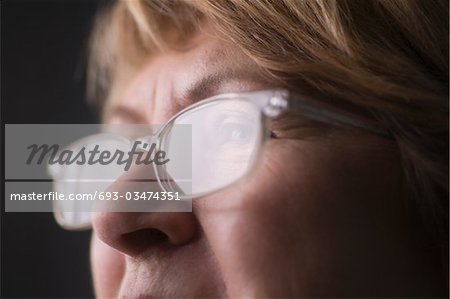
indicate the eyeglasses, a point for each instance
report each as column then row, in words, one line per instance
column 228, row 132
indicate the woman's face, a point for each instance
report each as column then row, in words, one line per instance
column 320, row 215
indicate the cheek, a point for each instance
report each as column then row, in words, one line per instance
column 283, row 230
column 108, row 268
column 253, row 226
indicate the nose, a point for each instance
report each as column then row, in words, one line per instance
column 132, row 233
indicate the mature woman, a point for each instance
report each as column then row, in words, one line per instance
column 348, row 195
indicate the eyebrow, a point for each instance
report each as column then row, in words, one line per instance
column 200, row 89
column 211, row 84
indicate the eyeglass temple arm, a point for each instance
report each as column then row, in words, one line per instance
column 329, row 114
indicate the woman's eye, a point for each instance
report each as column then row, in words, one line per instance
column 234, row 132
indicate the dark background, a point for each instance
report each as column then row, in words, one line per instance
column 43, row 51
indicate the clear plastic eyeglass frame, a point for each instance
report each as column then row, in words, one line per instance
column 271, row 104
column 230, row 164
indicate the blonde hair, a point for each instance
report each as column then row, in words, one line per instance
column 387, row 57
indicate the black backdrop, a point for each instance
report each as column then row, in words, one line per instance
column 42, row 81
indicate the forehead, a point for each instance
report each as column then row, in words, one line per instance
column 205, row 55
column 207, row 65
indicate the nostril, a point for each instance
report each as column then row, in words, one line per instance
column 143, row 239
column 134, row 233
